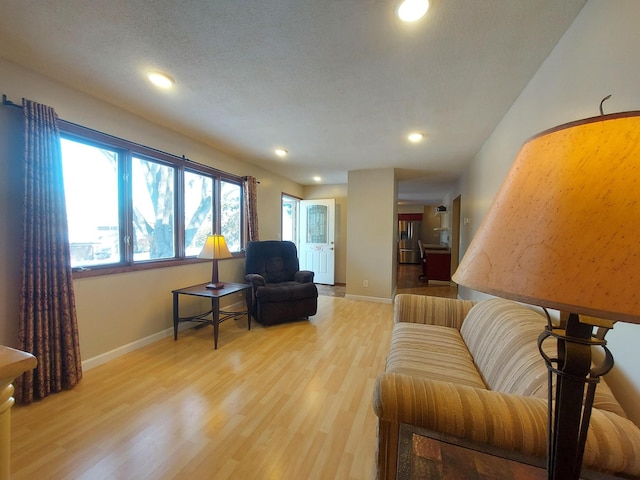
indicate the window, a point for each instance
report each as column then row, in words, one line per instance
column 131, row 207
column 230, row 214
column 152, row 193
column 317, row 228
column 91, row 190
column 198, row 211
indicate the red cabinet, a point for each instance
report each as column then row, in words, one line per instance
column 437, row 266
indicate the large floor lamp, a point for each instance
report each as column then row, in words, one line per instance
column 564, row 233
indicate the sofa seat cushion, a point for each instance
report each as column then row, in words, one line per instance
column 432, row 352
column 286, row 292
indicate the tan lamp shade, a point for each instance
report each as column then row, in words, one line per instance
column 564, row 229
column 215, row 247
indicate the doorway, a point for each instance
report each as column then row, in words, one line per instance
column 317, row 238
column 310, row 224
column 455, row 233
column 290, row 219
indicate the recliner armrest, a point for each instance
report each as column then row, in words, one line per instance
column 255, row 279
column 303, row 276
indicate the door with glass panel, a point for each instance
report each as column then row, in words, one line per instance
column 317, row 247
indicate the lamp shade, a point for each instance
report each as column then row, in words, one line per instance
column 564, row 229
column 215, row 247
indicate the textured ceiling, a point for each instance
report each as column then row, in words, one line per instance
column 338, row 83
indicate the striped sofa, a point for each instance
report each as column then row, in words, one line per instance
column 473, row 371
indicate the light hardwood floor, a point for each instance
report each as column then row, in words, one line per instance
column 290, row 401
column 283, row 402
column 409, row 282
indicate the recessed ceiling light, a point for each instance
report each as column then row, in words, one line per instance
column 281, row 152
column 317, row 179
column 161, row 80
column 412, row 10
column 415, row 137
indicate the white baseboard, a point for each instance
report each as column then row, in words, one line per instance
column 130, row 347
column 368, row 299
column 143, row 342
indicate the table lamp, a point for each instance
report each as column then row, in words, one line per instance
column 215, row 248
column 563, row 232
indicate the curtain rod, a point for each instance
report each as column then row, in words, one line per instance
column 77, row 129
column 9, row 103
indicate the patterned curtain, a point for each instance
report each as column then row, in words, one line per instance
column 250, row 187
column 48, row 324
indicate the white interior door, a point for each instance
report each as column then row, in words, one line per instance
column 317, row 230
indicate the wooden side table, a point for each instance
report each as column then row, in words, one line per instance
column 215, row 316
column 423, row 454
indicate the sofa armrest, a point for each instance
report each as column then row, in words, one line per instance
column 446, row 312
column 510, row 422
column 506, row 421
column 303, row 276
column 255, row 279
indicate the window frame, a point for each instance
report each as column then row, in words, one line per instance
column 126, row 151
column 296, row 219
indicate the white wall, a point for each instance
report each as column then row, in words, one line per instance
column 116, row 310
column 11, row 139
column 372, row 227
column 597, row 56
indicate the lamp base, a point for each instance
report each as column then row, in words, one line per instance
column 215, row 286
column 569, row 415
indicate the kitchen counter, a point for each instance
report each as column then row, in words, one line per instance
column 435, row 248
column 436, row 263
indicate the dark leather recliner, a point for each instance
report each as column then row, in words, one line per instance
column 281, row 292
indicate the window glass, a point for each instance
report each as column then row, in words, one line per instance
column 317, row 230
column 231, row 214
column 198, row 211
column 128, row 204
column 91, row 191
column 152, row 190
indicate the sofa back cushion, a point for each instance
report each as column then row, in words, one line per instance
column 502, row 337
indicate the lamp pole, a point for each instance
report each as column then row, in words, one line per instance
column 558, row 235
column 570, row 414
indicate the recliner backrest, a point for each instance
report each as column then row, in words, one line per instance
column 277, row 261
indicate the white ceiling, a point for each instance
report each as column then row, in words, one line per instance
column 338, row 83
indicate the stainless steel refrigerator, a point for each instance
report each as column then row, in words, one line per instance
column 408, row 235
